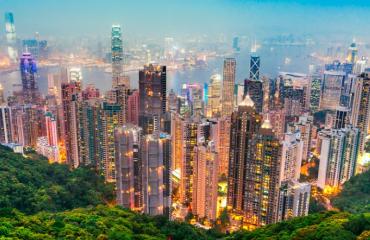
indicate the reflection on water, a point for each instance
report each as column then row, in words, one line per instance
column 273, row 60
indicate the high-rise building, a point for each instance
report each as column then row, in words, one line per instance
column 31, row 46
column 133, row 107
column 277, row 119
column 262, row 177
column 111, row 117
column 227, row 103
column 129, row 166
column 245, row 123
column 71, row 95
column 190, row 138
column 254, row 167
column 236, row 46
column 315, row 93
column 213, row 108
column 294, row 200
column 291, row 157
column 361, row 109
column 117, row 56
column 2, row 99
column 352, row 53
column 205, row 191
column 255, row 90
column 338, row 156
column 119, row 95
column 152, row 100
column 304, row 126
column 156, row 172
column 90, row 126
column 177, row 143
column 51, row 129
column 222, row 142
column 6, row 135
column 332, row 86
column 254, row 68
column 28, row 71
column 10, row 35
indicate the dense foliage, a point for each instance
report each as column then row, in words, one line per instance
column 100, row 222
column 326, row 225
column 32, row 185
column 355, row 195
column 104, row 222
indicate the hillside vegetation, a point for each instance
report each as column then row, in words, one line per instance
column 33, row 185
column 49, row 201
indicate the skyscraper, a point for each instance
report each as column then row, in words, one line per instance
column 214, row 96
column 190, row 138
column 294, row 200
column 254, row 167
column 262, row 178
column 6, row 135
column 152, row 100
column 117, row 57
column 361, row 109
column 291, row 158
column 338, row 156
column 315, row 93
column 111, row 117
column 28, row 71
column 129, row 166
column 245, row 123
column 205, row 181
column 254, row 70
column 254, row 88
column 71, row 95
column 133, row 107
column 228, row 82
column 156, row 171
column 331, row 90
column 352, row 53
column 11, row 38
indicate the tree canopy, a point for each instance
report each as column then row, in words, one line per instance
column 355, row 195
column 32, row 185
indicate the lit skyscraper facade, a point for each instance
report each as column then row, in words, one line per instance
column 152, row 98
column 156, row 174
column 205, row 181
column 190, row 139
column 245, row 123
column 255, row 90
column 291, row 157
column 129, row 167
column 214, row 96
column 70, row 100
column 338, row 156
column 117, row 56
column 227, row 104
column 294, row 200
column 28, row 71
column 111, row 117
column 361, row 109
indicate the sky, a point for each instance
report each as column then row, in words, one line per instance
column 160, row 18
